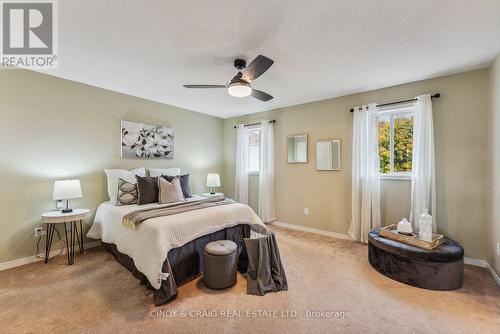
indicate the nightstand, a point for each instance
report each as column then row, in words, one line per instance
column 212, row 195
column 52, row 218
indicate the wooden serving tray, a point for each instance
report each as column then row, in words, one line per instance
column 391, row 232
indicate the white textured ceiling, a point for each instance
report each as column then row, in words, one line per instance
column 321, row 48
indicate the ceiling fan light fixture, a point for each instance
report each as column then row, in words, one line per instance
column 240, row 86
column 239, row 89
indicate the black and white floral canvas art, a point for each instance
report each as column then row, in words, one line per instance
column 145, row 141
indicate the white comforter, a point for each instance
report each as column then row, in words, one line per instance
column 149, row 242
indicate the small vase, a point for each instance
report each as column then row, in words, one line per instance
column 425, row 226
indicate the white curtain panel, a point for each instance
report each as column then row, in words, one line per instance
column 241, row 189
column 266, row 173
column 365, row 174
column 423, row 182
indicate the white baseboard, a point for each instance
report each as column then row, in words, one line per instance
column 476, row 262
column 313, row 230
column 41, row 256
column 483, row 264
column 494, row 275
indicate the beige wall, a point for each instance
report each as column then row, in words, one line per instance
column 460, row 117
column 52, row 128
column 493, row 227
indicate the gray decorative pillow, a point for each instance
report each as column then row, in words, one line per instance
column 127, row 193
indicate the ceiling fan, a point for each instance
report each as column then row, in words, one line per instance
column 240, row 85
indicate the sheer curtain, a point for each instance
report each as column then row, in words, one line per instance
column 423, row 182
column 241, row 191
column 365, row 174
column 266, row 173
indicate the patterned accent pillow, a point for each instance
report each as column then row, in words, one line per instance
column 127, row 193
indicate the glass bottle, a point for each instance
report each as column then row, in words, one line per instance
column 425, row 226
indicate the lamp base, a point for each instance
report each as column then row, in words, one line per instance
column 66, row 210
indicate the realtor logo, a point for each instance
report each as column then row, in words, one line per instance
column 29, row 34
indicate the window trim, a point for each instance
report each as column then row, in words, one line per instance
column 392, row 113
column 398, row 176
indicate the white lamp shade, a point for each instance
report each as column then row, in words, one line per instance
column 213, row 180
column 67, row 189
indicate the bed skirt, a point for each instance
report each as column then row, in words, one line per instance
column 185, row 263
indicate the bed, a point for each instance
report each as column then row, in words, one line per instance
column 165, row 252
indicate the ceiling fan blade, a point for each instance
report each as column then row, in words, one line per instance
column 260, row 95
column 237, row 77
column 204, row 86
column 257, row 67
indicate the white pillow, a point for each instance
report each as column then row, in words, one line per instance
column 114, row 174
column 154, row 172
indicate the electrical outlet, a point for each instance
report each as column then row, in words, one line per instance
column 498, row 248
column 39, row 232
column 306, row 211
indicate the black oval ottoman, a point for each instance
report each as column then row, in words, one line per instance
column 439, row 269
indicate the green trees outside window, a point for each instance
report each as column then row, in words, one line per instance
column 395, row 142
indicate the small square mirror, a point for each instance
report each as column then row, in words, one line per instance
column 297, row 149
column 328, row 155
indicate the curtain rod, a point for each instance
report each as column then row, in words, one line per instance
column 435, row 96
column 251, row 124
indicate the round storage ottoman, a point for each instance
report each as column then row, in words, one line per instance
column 220, row 264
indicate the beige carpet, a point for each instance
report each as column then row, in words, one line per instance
column 97, row 294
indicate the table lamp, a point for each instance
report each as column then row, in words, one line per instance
column 213, row 181
column 66, row 190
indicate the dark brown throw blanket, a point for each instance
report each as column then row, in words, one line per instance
column 265, row 271
column 136, row 217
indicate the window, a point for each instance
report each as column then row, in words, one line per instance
column 395, row 141
column 254, row 151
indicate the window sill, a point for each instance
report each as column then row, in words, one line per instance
column 395, row 177
column 253, row 173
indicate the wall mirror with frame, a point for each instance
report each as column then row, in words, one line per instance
column 328, row 156
column 297, row 148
